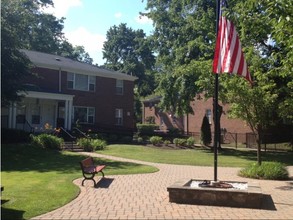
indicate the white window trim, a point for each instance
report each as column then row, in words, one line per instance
column 119, row 87
column 120, row 113
column 87, row 114
column 88, row 82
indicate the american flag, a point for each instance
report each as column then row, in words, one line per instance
column 228, row 57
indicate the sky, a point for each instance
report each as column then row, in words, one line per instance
column 87, row 21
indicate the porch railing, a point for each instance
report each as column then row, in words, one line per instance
column 27, row 124
column 69, row 139
column 80, row 133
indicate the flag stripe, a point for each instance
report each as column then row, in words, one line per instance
column 228, row 57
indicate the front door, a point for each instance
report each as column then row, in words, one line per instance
column 61, row 115
column 48, row 115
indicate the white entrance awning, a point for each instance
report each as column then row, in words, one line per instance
column 46, row 95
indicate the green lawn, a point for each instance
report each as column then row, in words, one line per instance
column 228, row 157
column 37, row 180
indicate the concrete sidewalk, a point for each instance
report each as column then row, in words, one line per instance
column 145, row 196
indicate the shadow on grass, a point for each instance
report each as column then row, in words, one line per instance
column 31, row 158
column 282, row 157
column 10, row 213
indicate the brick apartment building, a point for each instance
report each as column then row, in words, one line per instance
column 191, row 123
column 67, row 92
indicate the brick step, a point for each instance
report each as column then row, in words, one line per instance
column 71, row 146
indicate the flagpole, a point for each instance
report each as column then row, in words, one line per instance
column 216, row 112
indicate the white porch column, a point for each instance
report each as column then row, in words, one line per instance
column 69, row 114
column 10, row 116
column 13, row 115
column 66, row 115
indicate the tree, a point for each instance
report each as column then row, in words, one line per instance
column 80, row 55
column 185, row 34
column 183, row 39
column 129, row 51
column 206, row 134
column 260, row 105
column 25, row 26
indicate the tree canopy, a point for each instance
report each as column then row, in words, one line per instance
column 129, row 51
column 183, row 38
column 24, row 25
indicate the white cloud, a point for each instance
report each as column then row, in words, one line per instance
column 141, row 19
column 92, row 42
column 61, row 7
column 118, row 15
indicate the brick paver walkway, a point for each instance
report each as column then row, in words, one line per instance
column 145, row 196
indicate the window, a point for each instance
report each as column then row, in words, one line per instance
column 119, row 116
column 70, row 80
column 81, row 82
column 119, row 87
column 92, row 83
column 36, row 116
column 84, row 115
column 20, row 115
column 209, row 115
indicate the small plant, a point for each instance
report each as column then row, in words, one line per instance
column 167, row 142
column 85, row 143
column 47, row 141
column 140, row 140
column 267, row 170
column 156, row 140
column 90, row 145
column 190, row 141
column 98, row 144
column 179, row 141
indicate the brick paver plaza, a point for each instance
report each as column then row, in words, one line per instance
column 145, row 196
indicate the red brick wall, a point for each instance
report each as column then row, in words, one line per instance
column 47, row 79
column 200, row 106
column 195, row 120
column 103, row 99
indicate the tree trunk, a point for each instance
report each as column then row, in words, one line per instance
column 258, row 141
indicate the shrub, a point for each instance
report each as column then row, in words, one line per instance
column 125, row 139
column 91, row 144
column 150, row 120
column 190, row 141
column 167, row 142
column 48, row 141
column 179, row 141
column 146, row 129
column 14, row 136
column 206, row 134
column 140, row 140
column 174, row 132
column 267, row 170
column 113, row 138
column 85, row 143
column 156, row 140
column 98, row 144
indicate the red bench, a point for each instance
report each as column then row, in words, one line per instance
column 89, row 169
